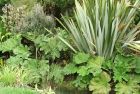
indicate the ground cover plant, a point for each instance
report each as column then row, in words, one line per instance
column 9, row 90
column 69, row 47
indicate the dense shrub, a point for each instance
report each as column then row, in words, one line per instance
column 96, row 49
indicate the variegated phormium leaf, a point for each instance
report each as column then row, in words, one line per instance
column 99, row 24
column 134, row 45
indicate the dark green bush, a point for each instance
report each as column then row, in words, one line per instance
column 2, row 3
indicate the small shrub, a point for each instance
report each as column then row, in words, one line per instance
column 10, row 76
column 18, row 19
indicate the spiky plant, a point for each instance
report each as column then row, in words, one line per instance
column 98, row 25
column 135, row 45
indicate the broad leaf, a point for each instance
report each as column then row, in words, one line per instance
column 83, row 71
column 81, row 58
column 130, row 87
column 122, row 65
column 94, row 65
column 100, row 84
column 10, row 43
column 70, row 69
column 56, row 73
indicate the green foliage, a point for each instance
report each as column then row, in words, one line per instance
column 7, row 77
column 94, row 33
column 100, row 84
column 1, row 62
column 10, row 76
column 108, row 65
column 18, row 51
column 15, row 60
column 56, row 74
column 70, row 69
column 82, row 81
column 137, row 17
column 81, row 58
column 21, row 51
column 130, row 87
column 50, row 44
column 95, row 65
column 37, row 66
column 126, row 73
column 38, row 70
column 2, row 30
column 63, row 4
column 10, row 43
column 83, row 70
column 34, row 45
column 12, row 90
column 21, row 56
column 137, row 66
column 122, row 65
column 92, row 65
column 19, row 3
column 85, row 67
column 1, row 1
